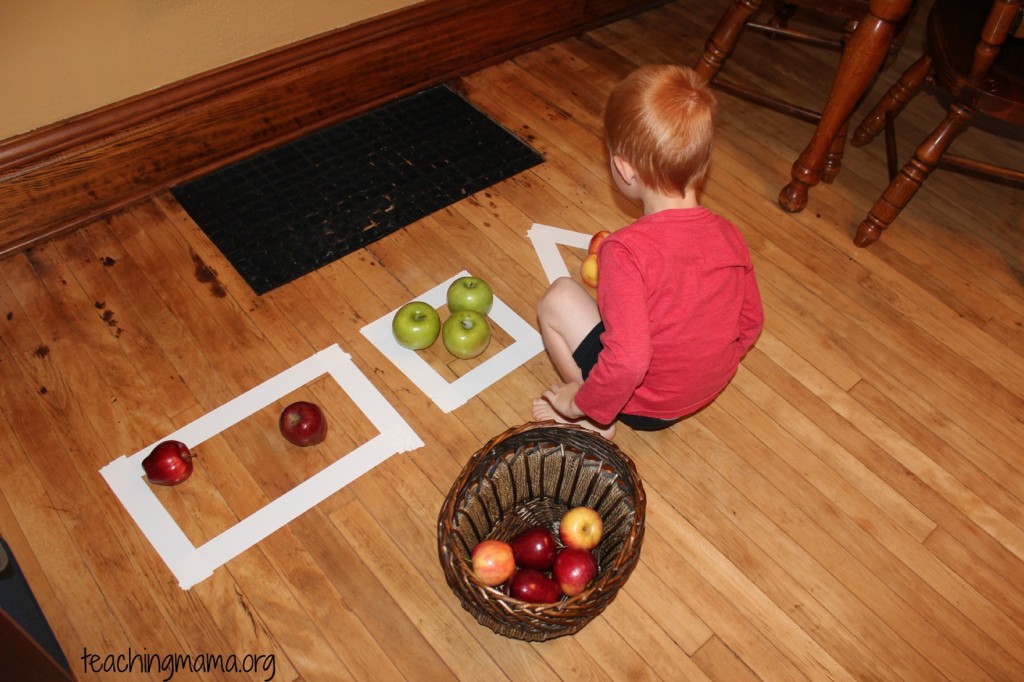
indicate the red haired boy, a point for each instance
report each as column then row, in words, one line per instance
column 677, row 302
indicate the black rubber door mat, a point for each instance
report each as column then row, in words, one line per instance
column 293, row 209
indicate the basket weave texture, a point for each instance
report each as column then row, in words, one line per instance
column 531, row 475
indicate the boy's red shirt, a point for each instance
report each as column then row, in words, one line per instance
column 680, row 306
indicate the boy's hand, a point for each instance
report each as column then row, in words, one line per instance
column 561, row 397
column 558, row 403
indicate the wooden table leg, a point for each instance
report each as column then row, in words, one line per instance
column 861, row 60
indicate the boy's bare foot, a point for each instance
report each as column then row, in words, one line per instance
column 543, row 410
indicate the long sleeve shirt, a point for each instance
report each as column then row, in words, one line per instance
column 680, row 306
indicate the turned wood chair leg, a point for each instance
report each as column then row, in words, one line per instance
column 908, row 181
column 863, row 55
column 783, row 12
column 893, row 101
column 891, row 153
column 723, row 39
column 834, row 157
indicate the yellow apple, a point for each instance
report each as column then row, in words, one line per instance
column 588, row 270
column 581, row 528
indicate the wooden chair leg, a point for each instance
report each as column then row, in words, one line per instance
column 902, row 29
column 783, row 12
column 902, row 189
column 834, row 157
column 891, row 153
column 723, row 39
column 893, row 101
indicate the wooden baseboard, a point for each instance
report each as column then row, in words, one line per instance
column 62, row 176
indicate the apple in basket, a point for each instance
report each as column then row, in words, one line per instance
column 581, row 528
column 493, row 562
column 533, row 586
column 535, row 548
column 573, row 570
column 169, row 463
column 303, row 423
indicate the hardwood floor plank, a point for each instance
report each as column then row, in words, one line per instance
column 19, row 334
column 81, row 576
column 449, row 638
column 778, row 534
column 233, row 613
column 995, row 479
column 859, row 330
column 1006, row 595
column 669, row 558
column 719, row 663
column 27, row 498
column 123, row 324
column 279, row 621
column 658, row 646
column 842, row 449
column 158, row 320
column 361, row 591
column 896, row 573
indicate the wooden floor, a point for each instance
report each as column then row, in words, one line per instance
column 849, row 508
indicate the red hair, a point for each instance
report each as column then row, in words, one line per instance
column 660, row 120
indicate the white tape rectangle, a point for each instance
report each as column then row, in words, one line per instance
column 450, row 395
column 190, row 564
column 545, row 242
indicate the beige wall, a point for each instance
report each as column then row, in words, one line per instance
column 59, row 58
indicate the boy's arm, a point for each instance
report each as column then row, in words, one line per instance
column 752, row 312
column 626, row 354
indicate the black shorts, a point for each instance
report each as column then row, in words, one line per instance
column 585, row 356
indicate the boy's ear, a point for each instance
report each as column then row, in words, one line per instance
column 624, row 169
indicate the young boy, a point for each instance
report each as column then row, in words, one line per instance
column 677, row 303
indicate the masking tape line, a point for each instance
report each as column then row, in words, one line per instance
column 191, row 564
column 449, row 396
column 300, row 499
column 545, row 242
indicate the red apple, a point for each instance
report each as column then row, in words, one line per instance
column 573, row 570
column 533, row 586
column 581, row 528
column 493, row 562
column 588, row 270
column 303, row 424
column 595, row 241
column 535, row 548
column 170, row 463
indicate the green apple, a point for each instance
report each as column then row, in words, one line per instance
column 466, row 334
column 416, row 325
column 470, row 293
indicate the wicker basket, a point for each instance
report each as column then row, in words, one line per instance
column 531, row 475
